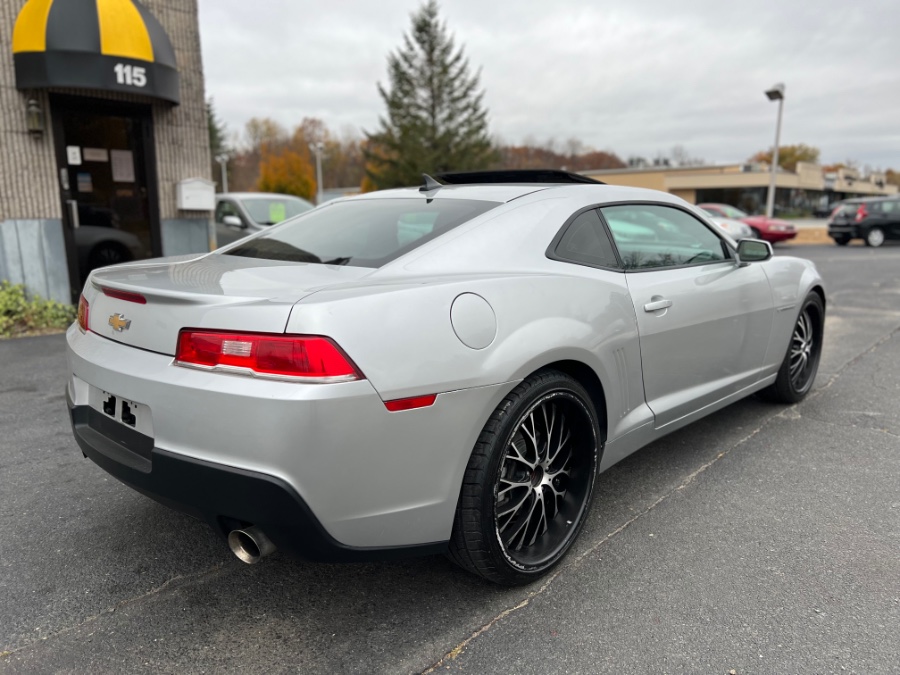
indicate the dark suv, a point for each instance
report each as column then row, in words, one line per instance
column 872, row 220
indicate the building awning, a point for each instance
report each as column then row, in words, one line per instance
column 110, row 45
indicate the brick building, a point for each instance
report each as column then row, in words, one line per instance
column 104, row 146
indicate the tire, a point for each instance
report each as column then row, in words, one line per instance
column 875, row 237
column 798, row 370
column 756, row 233
column 505, row 538
column 841, row 241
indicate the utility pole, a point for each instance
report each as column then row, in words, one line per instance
column 223, row 163
column 316, row 149
column 776, row 93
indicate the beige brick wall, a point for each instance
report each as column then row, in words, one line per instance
column 28, row 173
column 28, row 187
column 181, row 132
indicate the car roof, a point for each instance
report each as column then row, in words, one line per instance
column 491, row 192
column 880, row 198
column 597, row 193
column 510, row 176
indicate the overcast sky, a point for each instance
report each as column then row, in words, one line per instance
column 635, row 77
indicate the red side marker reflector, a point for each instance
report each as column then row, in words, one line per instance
column 399, row 404
column 127, row 296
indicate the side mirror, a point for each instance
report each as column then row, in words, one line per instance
column 753, row 250
column 234, row 221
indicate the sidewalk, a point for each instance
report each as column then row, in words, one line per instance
column 810, row 231
column 810, row 235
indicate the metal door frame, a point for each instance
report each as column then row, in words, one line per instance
column 60, row 104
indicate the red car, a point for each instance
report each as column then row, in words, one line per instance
column 768, row 229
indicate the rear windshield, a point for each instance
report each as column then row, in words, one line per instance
column 363, row 232
column 849, row 209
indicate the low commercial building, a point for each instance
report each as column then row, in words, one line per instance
column 797, row 192
column 104, row 136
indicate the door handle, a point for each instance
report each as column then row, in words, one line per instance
column 657, row 305
column 73, row 211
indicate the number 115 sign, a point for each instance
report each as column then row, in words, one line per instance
column 133, row 76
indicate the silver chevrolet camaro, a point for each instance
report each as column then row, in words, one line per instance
column 443, row 369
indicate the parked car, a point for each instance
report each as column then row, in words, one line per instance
column 770, row 229
column 825, row 208
column 100, row 240
column 100, row 246
column 873, row 220
column 737, row 229
column 432, row 370
column 239, row 214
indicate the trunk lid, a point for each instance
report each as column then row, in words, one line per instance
column 215, row 291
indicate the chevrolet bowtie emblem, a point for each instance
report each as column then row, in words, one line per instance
column 119, row 322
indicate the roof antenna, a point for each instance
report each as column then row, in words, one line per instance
column 430, row 184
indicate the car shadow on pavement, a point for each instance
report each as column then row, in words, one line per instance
column 394, row 616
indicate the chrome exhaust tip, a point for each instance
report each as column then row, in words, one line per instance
column 250, row 544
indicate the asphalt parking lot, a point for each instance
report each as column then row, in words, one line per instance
column 763, row 539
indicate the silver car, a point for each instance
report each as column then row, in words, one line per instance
column 434, row 370
column 239, row 214
column 735, row 228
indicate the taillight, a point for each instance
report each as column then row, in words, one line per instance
column 127, row 296
column 83, row 309
column 308, row 358
column 861, row 212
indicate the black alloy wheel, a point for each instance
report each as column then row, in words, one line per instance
column 798, row 370
column 529, row 483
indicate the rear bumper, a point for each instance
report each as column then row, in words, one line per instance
column 330, row 457
column 225, row 497
column 851, row 231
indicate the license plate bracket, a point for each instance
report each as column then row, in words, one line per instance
column 125, row 411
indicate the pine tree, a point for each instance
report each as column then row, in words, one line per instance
column 435, row 118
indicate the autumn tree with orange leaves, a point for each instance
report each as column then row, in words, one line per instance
column 789, row 156
column 287, row 171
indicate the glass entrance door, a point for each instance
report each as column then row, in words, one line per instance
column 107, row 183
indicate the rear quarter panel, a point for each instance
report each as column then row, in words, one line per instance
column 401, row 336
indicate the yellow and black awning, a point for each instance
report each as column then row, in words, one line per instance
column 112, row 45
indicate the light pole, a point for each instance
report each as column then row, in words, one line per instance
column 316, row 149
column 223, row 163
column 776, row 93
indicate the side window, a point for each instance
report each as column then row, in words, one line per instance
column 889, row 207
column 650, row 236
column 585, row 241
column 224, row 209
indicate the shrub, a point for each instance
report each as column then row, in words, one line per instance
column 24, row 314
